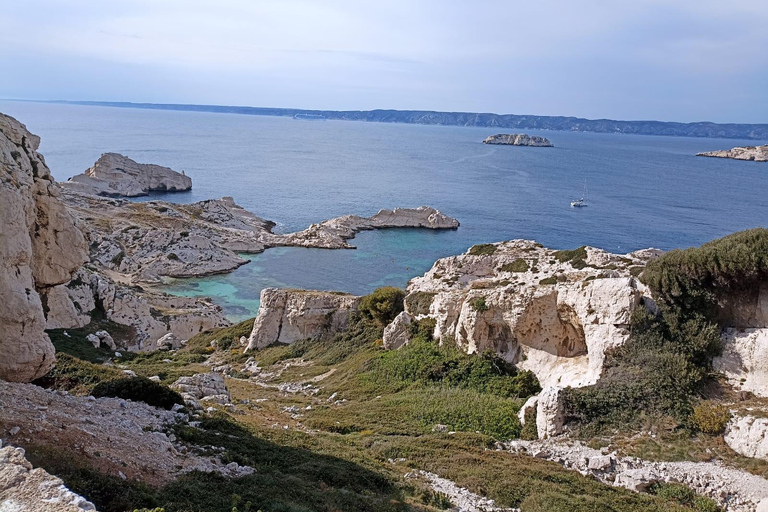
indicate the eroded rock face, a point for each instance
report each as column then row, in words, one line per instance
column 202, row 387
column 152, row 315
column 546, row 311
column 40, row 247
column 744, row 360
column 117, row 175
column 747, row 435
column 518, row 139
column 550, row 413
column 286, row 316
column 753, row 153
column 24, row 489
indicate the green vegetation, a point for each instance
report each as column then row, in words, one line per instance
column 576, row 257
column 225, row 337
column 83, row 378
column 711, row 418
column 682, row 495
column 172, row 256
column 479, row 304
column 548, row 280
column 518, row 265
column 383, row 305
column 418, row 302
column 667, row 361
column 117, row 259
column 482, row 250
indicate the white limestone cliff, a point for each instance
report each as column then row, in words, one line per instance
column 546, row 311
column 40, row 247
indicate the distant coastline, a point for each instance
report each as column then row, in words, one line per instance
column 554, row 123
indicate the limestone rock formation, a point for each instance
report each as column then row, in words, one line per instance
column 117, row 175
column 202, row 386
column 550, row 413
column 744, row 360
column 40, row 247
column 147, row 241
column 150, row 314
column 518, row 139
column 398, row 333
column 747, row 435
column 286, row 316
column 552, row 312
column 24, row 489
column 752, row 153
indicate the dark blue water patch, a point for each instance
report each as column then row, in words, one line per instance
column 643, row 191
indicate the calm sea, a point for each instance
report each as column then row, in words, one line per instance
column 643, row 191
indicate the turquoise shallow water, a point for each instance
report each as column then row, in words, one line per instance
column 644, row 191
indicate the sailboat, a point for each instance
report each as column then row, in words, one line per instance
column 582, row 201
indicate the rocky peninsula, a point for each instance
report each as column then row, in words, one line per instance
column 518, row 139
column 751, row 153
column 116, row 175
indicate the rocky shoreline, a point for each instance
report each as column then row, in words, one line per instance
column 751, row 153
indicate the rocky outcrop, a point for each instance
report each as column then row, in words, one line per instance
column 202, row 387
column 116, row 437
column 119, row 176
column 733, row 489
column 146, row 241
column 286, row 316
column 24, row 489
column 40, row 247
column 552, row 312
column 150, row 314
column 747, row 434
column 550, row 413
column 752, row 153
column 518, row 139
column 744, row 360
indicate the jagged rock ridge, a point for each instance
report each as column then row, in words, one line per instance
column 518, row 139
column 752, row 153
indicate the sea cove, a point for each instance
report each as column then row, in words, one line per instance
column 644, row 190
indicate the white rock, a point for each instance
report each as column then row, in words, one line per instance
column 398, row 333
column 286, row 316
column 117, row 175
column 106, row 339
column 95, row 340
column 550, row 413
column 748, row 435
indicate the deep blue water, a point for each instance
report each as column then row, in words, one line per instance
column 643, row 190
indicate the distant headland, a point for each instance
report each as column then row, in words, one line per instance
column 513, row 121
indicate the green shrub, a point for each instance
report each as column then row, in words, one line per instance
column 683, row 495
column 711, row 418
column 575, row 255
column 77, row 376
column 117, row 259
column 518, row 265
column 383, row 305
column 426, row 363
column 172, row 256
column 482, row 249
column 548, row 280
column 479, row 304
column 530, row 431
column 139, row 389
column 419, row 302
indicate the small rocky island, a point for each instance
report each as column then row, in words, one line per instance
column 752, row 153
column 115, row 175
column 518, row 139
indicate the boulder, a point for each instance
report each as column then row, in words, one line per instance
column 202, row 386
column 550, row 413
column 94, row 340
column 40, row 247
column 398, row 333
column 286, row 316
column 747, row 435
column 169, row 342
column 24, row 489
column 117, row 175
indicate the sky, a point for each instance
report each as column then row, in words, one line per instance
column 671, row 60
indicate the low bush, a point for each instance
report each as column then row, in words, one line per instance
column 479, row 304
column 711, row 418
column 518, row 265
column 419, row 302
column 482, row 249
column 139, row 389
column 530, row 431
column 225, row 337
column 576, row 257
column 683, row 495
column 383, row 305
